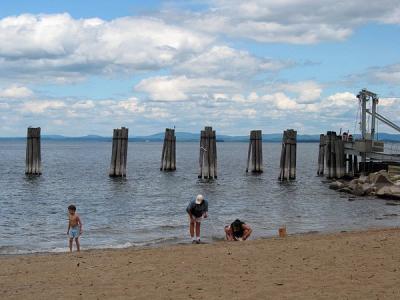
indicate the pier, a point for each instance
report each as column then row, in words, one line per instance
column 339, row 154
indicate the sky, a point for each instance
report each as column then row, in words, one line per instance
column 85, row 67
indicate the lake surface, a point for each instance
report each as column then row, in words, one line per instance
column 148, row 207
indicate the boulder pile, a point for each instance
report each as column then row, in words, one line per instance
column 379, row 184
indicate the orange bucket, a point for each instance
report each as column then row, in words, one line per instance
column 282, row 232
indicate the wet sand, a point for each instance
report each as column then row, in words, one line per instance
column 352, row 265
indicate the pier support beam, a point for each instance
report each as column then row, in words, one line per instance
column 288, row 155
column 255, row 154
column 321, row 155
column 350, row 170
column 208, row 154
column 119, row 153
column 335, row 160
column 168, row 156
column 33, row 161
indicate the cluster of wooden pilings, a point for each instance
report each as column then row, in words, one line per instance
column 168, row 155
column 33, row 161
column 332, row 160
column 255, row 155
column 207, row 158
column 119, row 153
column 208, row 154
column 288, row 155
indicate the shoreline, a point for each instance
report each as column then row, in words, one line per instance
column 361, row 264
column 187, row 241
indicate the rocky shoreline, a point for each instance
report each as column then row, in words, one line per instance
column 379, row 184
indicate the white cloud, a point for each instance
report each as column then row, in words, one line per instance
column 344, row 100
column 88, row 104
column 59, row 122
column 38, row 107
column 229, row 111
column 292, row 21
column 387, row 102
column 281, row 101
column 226, row 62
column 131, row 105
column 63, row 48
column 388, row 74
column 307, row 91
column 16, row 92
column 4, row 106
column 181, row 88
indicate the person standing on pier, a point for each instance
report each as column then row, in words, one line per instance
column 197, row 210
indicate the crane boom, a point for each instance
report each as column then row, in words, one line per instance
column 384, row 120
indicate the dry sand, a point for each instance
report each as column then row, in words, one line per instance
column 354, row 265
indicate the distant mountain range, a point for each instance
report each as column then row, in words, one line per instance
column 194, row 137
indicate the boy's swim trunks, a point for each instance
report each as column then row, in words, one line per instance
column 74, row 232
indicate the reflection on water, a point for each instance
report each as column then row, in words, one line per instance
column 148, row 207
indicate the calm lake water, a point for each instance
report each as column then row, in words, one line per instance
column 148, row 207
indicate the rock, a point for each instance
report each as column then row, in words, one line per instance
column 381, row 179
column 336, row 185
column 395, row 177
column 358, row 190
column 361, row 189
column 389, row 192
column 363, row 179
column 346, row 189
column 352, row 184
column 368, row 188
column 392, row 203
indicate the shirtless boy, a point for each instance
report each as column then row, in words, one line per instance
column 74, row 227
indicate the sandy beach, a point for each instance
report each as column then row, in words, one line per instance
column 346, row 265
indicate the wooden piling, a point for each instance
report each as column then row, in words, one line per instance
column 350, row 171
column 119, row 153
column 328, row 157
column 335, row 159
column 293, row 155
column 321, row 155
column 124, row 150
column 356, row 170
column 342, row 157
column 288, row 155
column 33, row 160
column 333, row 154
column 255, row 152
column 168, row 156
column 338, row 162
column 208, row 154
